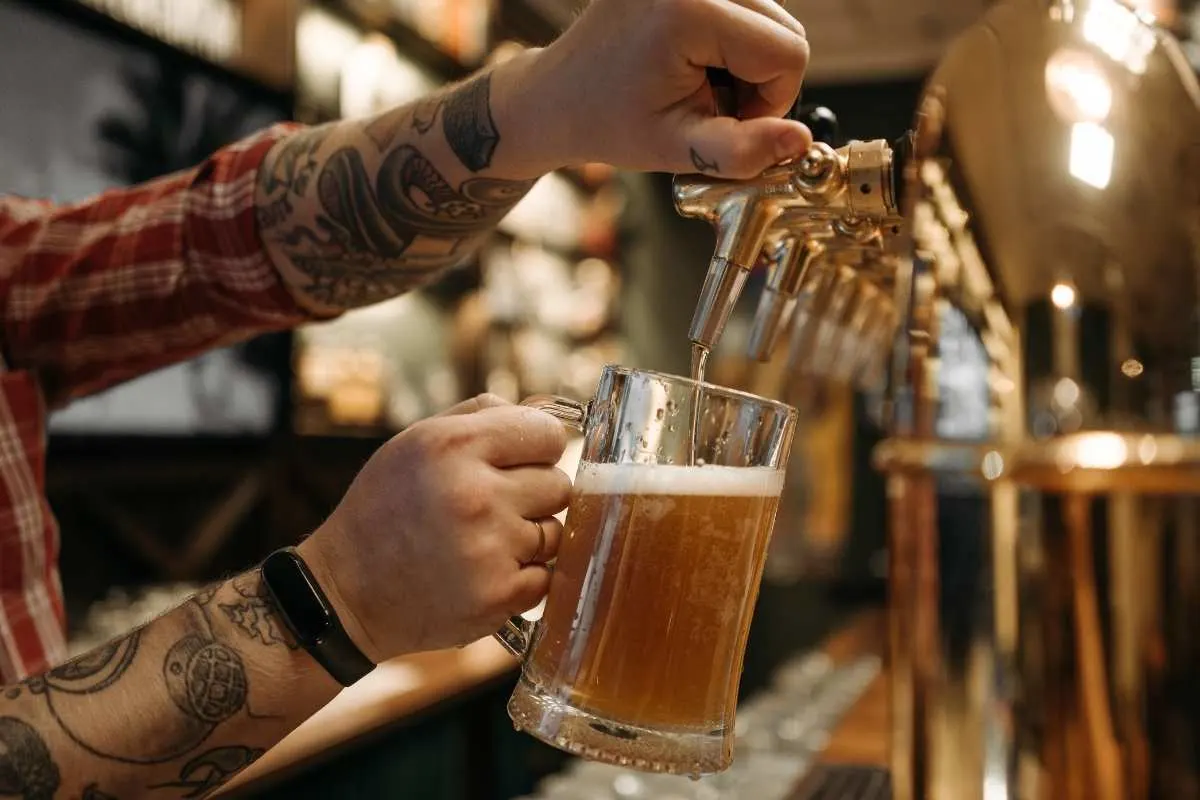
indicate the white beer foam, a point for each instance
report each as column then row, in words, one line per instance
column 719, row 481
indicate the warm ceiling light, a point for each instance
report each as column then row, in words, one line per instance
column 1062, row 295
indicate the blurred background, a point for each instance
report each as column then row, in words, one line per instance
column 200, row 469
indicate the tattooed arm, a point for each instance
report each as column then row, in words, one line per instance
column 356, row 212
column 174, row 709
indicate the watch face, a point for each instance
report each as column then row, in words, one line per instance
column 299, row 597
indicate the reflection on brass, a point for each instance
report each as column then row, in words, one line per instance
column 826, row 193
column 1043, row 401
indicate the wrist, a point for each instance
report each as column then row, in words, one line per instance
column 323, row 567
column 537, row 131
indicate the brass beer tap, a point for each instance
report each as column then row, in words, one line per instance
column 830, row 282
column 844, row 187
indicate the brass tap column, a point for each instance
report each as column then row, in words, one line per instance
column 1043, row 469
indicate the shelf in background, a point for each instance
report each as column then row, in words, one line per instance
column 92, row 19
column 408, row 40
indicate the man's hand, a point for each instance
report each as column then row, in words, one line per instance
column 629, row 80
column 362, row 210
column 437, row 541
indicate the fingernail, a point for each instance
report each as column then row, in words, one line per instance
column 791, row 144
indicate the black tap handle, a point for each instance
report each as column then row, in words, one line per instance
column 902, row 152
column 724, row 89
column 820, row 120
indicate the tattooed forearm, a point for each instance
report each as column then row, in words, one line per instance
column 27, row 768
column 425, row 114
column 468, row 125
column 253, row 613
column 170, row 707
column 287, row 176
column 211, row 769
column 359, row 212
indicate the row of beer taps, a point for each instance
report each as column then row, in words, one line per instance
column 827, row 227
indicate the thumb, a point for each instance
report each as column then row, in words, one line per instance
column 733, row 148
column 473, row 405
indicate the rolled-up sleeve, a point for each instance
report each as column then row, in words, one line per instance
column 135, row 279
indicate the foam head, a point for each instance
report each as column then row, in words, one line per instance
column 671, row 479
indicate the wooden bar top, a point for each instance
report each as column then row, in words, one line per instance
column 394, row 691
column 861, row 737
column 407, row 686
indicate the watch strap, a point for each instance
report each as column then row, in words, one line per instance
column 311, row 618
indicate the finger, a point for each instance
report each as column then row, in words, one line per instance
column 537, row 541
column 530, row 586
column 741, row 148
column 477, row 403
column 537, row 492
column 515, row 436
column 753, row 47
column 775, row 10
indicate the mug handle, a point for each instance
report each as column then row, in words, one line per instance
column 517, row 633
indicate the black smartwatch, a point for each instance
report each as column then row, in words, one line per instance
column 310, row 617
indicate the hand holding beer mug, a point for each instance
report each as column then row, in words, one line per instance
column 638, row 654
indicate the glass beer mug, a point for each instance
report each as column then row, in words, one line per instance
column 638, row 654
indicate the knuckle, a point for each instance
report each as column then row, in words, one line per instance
column 455, row 434
column 803, row 52
column 560, row 488
column 485, row 551
column 498, row 596
column 676, row 10
column 440, row 436
column 489, row 400
column 549, row 433
column 465, row 497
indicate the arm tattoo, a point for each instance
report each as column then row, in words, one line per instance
column 183, row 672
column 378, row 237
column 254, row 613
column 288, row 175
column 425, row 114
column 27, row 770
column 468, row 124
column 210, row 769
column 202, row 679
column 379, row 218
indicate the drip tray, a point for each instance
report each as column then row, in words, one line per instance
column 844, row 782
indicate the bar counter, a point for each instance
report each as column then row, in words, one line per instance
column 413, row 686
column 861, row 736
column 395, row 691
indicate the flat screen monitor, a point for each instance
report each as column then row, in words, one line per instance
column 86, row 110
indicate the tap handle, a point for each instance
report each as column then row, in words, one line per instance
column 724, row 88
column 902, row 151
column 820, row 120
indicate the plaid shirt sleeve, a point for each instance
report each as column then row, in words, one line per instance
column 132, row 280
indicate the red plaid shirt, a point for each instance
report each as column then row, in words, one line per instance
column 96, row 293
